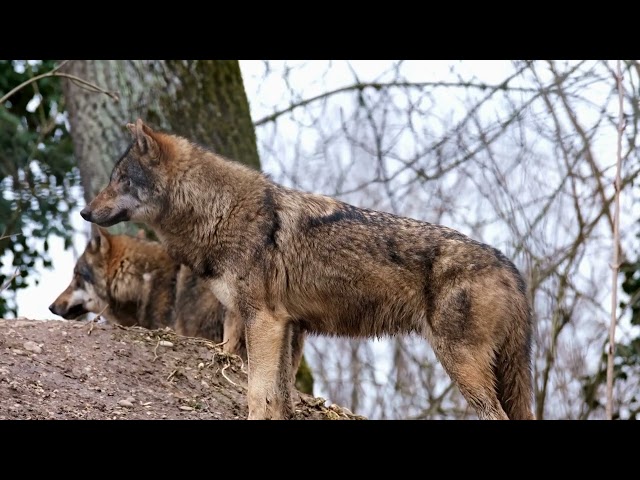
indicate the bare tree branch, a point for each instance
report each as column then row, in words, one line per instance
column 56, row 73
column 10, row 279
column 359, row 86
column 616, row 249
column 597, row 174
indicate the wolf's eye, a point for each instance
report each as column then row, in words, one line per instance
column 125, row 180
column 85, row 274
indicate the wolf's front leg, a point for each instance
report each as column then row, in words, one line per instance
column 269, row 358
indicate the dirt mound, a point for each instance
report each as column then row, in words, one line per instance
column 75, row 370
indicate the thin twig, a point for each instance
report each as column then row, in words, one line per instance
column 8, row 282
column 9, row 236
column 95, row 320
column 242, row 369
column 213, row 360
column 205, row 341
column 172, row 374
column 33, row 79
column 56, row 73
column 88, row 85
column 616, row 249
column 155, row 350
column 227, row 378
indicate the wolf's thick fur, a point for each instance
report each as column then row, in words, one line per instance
column 289, row 260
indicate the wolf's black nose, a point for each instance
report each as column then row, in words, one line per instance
column 86, row 213
column 52, row 307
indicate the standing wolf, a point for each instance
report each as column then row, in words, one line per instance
column 287, row 259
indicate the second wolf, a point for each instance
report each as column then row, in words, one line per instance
column 287, row 259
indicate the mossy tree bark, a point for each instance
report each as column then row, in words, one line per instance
column 203, row 100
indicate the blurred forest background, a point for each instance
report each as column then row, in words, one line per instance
column 518, row 154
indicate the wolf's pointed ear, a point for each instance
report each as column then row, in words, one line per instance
column 145, row 139
column 132, row 129
column 101, row 240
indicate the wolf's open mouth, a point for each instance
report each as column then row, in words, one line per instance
column 121, row 216
column 75, row 312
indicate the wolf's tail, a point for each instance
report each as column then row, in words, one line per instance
column 513, row 367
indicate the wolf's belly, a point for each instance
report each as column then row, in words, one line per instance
column 358, row 314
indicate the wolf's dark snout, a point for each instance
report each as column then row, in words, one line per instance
column 86, row 213
column 53, row 309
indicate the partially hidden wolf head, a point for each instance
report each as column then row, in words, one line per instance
column 137, row 187
column 87, row 291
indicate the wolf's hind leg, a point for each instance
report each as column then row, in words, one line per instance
column 269, row 358
column 471, row 368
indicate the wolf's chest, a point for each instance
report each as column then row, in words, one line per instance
column 223, row 290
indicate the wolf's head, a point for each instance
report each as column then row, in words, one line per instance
column 87, row 291
column 137, row 187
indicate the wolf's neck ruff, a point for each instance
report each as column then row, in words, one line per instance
column 215, row 203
